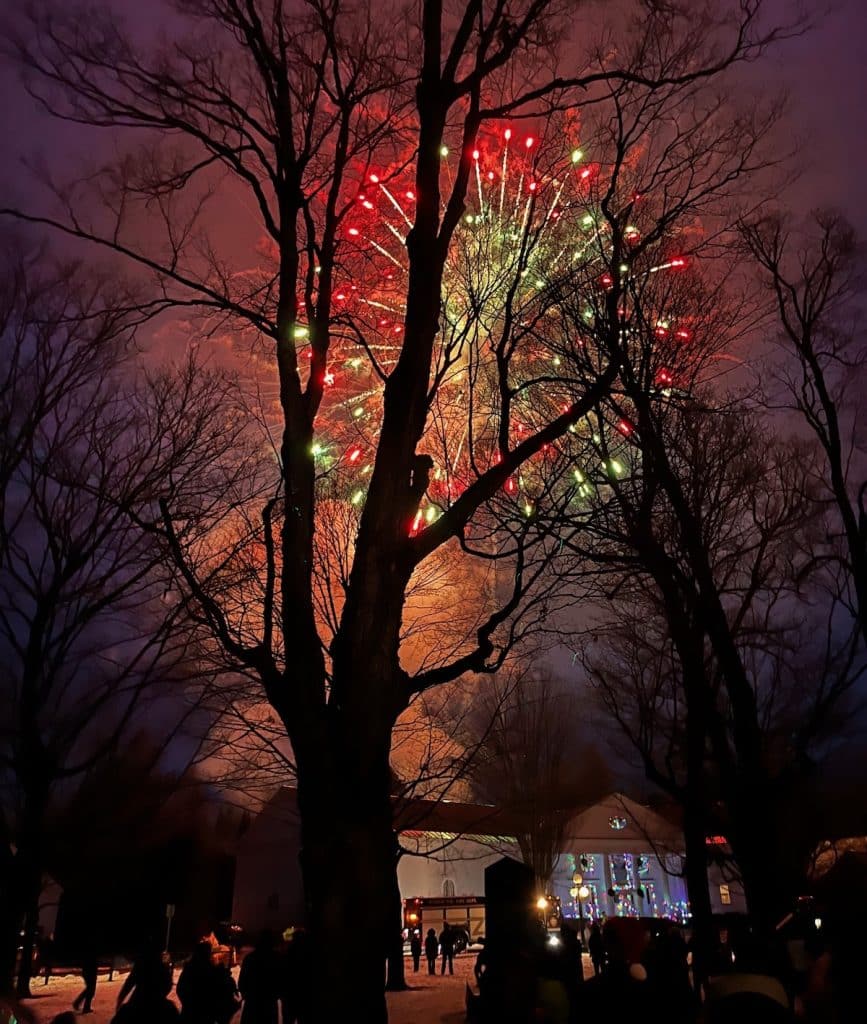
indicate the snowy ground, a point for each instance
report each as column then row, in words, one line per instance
column 430, row 1000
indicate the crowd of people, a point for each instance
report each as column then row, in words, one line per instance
column 537, row 977
column 639, row 976
column 274, row 976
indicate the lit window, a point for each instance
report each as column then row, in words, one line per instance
column 725, row 896
column 617, row 823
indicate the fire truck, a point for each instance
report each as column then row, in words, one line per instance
column 465, row 914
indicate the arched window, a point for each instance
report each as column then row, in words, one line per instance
column 448, row 887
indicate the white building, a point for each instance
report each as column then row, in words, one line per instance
column 629, row 857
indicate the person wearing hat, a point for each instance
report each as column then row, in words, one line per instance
column 620, row 995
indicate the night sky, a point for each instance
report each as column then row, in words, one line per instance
column 824, row 73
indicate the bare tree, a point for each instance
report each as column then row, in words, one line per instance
column 667, row 687
column 531, row 759
column 292, row 103
column 85, row 631
column 813, row 277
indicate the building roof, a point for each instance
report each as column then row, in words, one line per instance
column 610, row 823
column 616, row 821
column 418, row 815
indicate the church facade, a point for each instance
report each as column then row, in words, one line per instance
column 629, row 859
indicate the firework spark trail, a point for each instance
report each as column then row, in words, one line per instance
column 505, row 263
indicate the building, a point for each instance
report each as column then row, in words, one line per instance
column 629, row 858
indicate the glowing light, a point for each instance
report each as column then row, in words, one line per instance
column 354, row 455
column 541, row 903
column 300, row 331
column 529, row 142
column 577, row 156
column 356, row 498
column 375, row 179
column 585, row 174
column 444, row 150
column 358, row 411
column 532, row 186
column 328, row 379
column 316, row 450
column 476, row 154
column 507, row 134
column 354, row 232
column 410, row 195
column 625, row 428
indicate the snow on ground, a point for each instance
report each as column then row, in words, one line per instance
column 430, row 1000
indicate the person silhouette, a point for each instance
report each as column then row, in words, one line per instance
column 89, row 972
column 259, row 982
column 596, row 948
column 199, row 987
column 431, row 947
column 447, row 948
column 415, row 949
column 143, row 996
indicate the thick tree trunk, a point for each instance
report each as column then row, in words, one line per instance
column 395, row 978
column 762, row 864
column 345, row 885
column 349, row 872
column 10, row 921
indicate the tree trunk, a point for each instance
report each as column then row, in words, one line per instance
column 395, row 979
column 10, row 920
column 699, row 895
column 349, row 871
column 29, row 879
column 761, row 859
column 28, row 942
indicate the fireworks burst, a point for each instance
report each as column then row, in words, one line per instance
column 531, row 259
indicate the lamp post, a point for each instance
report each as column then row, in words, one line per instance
column 580, row 892
column 583, row 894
